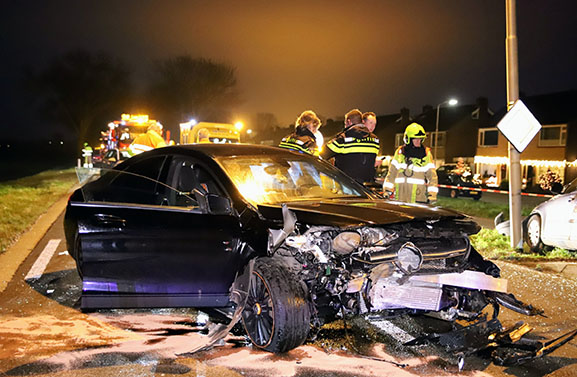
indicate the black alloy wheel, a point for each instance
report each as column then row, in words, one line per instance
column 276, row 315
column 259, row 312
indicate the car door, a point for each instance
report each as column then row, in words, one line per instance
column 559, row 220
column 202, row 250
column 148, row 238
column 555, row 227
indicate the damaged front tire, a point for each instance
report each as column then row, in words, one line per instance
column 276, row 316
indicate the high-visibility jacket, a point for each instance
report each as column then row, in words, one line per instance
column 412, row 179
column 355, row 150
column 302, row 140
column 87, row 154
column 146, row 142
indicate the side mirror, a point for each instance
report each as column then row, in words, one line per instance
column 219, row 205
column 556, row 188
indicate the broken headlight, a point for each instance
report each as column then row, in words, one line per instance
column 409, row 258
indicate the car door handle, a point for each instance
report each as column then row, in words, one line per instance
column 109, row 220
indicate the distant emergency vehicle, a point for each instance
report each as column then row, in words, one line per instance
column 134, row 125
column 120, row 134
column 220, row 133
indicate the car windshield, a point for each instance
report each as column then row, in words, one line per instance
column 279, row 179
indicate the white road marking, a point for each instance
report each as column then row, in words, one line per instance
column 393, row 330
column 40, row 265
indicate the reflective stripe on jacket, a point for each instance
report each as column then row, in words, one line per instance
column 300, row 143
column 412, row 179
column 147, row 142
column 355, row 150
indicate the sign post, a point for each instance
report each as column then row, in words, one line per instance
column 519, row 126
column 514, row 155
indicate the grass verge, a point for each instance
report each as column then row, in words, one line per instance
column 493, row 245
column 23, row 200
column 479, row 208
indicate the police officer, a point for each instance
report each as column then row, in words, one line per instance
column 303, row 139
column 412, row 174
column 354, row 149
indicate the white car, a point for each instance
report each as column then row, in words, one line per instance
column 554, row 222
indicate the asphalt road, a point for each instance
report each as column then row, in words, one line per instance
column 43, row 332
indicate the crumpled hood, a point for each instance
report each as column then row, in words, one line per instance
column 348, row 212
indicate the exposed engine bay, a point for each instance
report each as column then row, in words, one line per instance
column 417, row 268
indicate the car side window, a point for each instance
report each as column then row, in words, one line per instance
column 185, row 176
column 137, row 183
column 182, row 181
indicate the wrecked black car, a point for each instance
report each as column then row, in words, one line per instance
column 288, row 241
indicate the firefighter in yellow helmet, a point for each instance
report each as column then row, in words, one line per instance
column 412, row 174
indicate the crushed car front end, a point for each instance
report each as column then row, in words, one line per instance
column 422, row 266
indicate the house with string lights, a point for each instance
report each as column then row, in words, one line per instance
column 551, row 153
column 453, row 131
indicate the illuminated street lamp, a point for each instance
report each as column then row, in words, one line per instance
column 450, row 102
column 238, row 125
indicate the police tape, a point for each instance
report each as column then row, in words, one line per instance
column 495, row 191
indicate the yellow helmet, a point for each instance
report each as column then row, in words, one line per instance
column 414, row 131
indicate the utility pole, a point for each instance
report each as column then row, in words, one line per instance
column 514, row 155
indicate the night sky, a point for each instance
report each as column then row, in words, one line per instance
column 329, row 56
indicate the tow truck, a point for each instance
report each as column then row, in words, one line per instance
column 220, row 133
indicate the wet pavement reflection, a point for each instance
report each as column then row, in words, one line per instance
column 43, row 332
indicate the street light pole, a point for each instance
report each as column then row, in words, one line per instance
column 450, row 102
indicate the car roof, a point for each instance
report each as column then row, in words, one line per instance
column 217, row 150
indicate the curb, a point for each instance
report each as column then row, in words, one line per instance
column 566, row 269
column 17, row 253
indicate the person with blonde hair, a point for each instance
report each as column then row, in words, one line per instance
column 303, row 139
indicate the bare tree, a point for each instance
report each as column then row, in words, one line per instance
column 199, row 88
column 79, row 87
column 266, row 122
